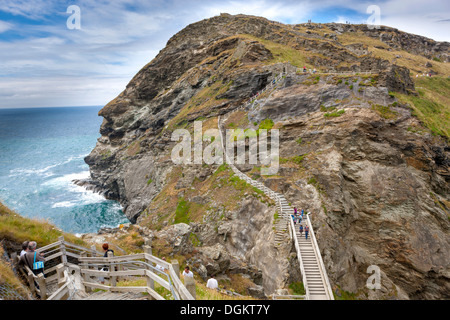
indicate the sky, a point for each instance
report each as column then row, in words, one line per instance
column 53, row 55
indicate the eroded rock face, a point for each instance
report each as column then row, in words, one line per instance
column 376, row 194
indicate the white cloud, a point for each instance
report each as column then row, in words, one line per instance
column 5, row 26
column 32, row 9
column 119, row 37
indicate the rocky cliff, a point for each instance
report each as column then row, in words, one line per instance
column 359, row 151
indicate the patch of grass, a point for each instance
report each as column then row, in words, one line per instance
column 297, row 288
column 344, row 295
column 313, row 181
column 194, row 239
column 266, row 124
column 283, row 53
column 276, row 216
column 385, row 111
column 299, row 159
column 327, row 109
column 432, row 106
column 182, row 212
column 334, row 114
column 18, row 229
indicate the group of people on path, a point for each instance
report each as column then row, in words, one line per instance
column 296, row 217
column 211, row 284
column 310, row 71
column 31, row 258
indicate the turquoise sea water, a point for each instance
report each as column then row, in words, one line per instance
column 41, row 152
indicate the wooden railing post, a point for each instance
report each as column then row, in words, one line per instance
column 150, row 281
column 61, row 279
column 93, row 248
column 176, row 267
column 30, row 278
column 112, row 268
column 42, row 286
column 189, row 283
column 62, row 247
column 85, row 277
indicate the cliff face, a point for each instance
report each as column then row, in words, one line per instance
column 351, row 152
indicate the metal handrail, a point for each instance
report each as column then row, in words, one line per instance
column 319, row 257
column 299, row 257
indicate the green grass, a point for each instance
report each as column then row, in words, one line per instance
column 17, row 229
column 182, row 212
column 266, row 124
column 384, row 111
column 283, row 53
column 326, row 109
column 432, row 105
column 299, row 159
column 297, row 288
column 334, row 114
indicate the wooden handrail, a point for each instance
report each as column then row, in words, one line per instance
column 62, row 249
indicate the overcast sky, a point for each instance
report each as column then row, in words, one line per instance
column 43, row 63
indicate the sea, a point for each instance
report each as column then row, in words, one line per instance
column 42, row 151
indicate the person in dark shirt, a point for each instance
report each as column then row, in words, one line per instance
column 31, row 257
column 105, row 247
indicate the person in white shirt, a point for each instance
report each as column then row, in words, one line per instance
column 160, row 267
column 212, row 283
column 24, row 248
column 187, row 273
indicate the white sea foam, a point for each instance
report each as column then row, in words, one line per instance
column 43, row 171
column 82, row 195
column 64, row 204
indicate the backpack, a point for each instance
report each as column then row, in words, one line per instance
column 37, row 264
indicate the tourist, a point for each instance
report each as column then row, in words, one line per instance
column 295, row 210
column 306, row 232
column 293, row 217
column 160, row 267
column 301, row 230
column 24, row 248
column 212, row 283
column 32, row 259
column 105, row 247
column 187, row 273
